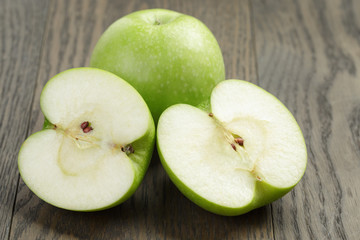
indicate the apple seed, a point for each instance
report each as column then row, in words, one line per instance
column 233, row 146
column 239, row 141
column 87, row 129
column 211, row 114
column 84, row 125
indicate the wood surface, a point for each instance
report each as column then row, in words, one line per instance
column 21, row 29
column 306, row 53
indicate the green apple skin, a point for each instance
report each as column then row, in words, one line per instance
column 142, row 156
column 264, row 193
column 167, row 56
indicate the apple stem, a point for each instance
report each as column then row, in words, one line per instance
column 128, row 149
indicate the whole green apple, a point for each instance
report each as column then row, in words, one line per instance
column 96, row 144
column 167, row 56
column 244, row 152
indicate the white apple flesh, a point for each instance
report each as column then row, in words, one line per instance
column 247, row 152
column 96, row 143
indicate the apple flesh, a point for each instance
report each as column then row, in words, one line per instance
column 96, row 143
column 246, row 152
column 167, row 56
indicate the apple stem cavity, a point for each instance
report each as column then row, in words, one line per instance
column 128, row 149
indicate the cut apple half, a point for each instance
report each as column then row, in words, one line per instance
column 96, row 143
column 246, row 152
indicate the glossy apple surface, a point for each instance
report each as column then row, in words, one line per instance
column 167, row 56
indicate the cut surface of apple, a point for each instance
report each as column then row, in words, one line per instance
column 96, row 143
column 244, row 153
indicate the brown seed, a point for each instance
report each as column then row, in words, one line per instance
column 239, row 141
column 233, row 146
column 87, row 129
column 84, row 125
column 211, row 114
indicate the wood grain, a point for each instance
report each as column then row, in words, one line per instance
column 21, row 27
column 308, row 54
column 157, row 210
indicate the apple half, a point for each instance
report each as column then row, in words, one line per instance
column 245, row 153
column 96, row 144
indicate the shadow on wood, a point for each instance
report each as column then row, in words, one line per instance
column 156, row 210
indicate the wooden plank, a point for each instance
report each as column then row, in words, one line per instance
column 157, row 210
column 21, row 27
column 308, row 55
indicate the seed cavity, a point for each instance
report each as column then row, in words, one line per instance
column 128, row 149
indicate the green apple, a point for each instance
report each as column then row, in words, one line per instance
column 167, row 56
column 96, row 144
column 246, row 152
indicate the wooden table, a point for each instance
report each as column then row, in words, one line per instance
column 307, row 53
